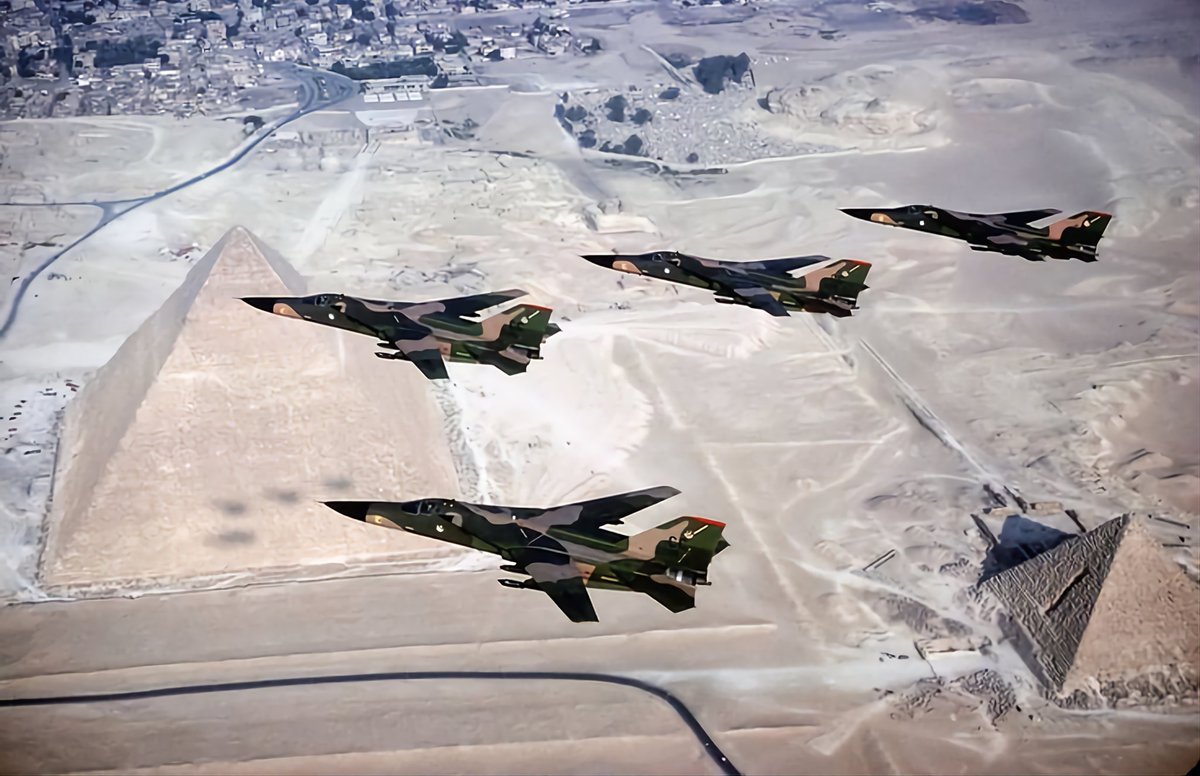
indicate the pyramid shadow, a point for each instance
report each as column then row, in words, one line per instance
column 1020, row 539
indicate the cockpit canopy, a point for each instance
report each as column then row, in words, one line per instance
column 670, row 257
column 921, row 210
column 322, row 300
column 428, row 506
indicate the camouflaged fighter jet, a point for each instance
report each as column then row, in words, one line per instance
column 822, row 285
column 429, row 333
column 1009, row 233
column 565, row 550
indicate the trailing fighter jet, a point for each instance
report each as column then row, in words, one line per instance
column 1010, row 233
column 823, row 285
column 428, row 333
column 565, row 550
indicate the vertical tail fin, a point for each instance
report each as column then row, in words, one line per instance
column 687, row 542
column 531, row 324
column 683, row 549
column 1083, row 229
column 524, row 326
column 846, row 278
column 702, row 534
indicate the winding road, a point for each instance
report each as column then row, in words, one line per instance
column 710, row 746
column 317, row 90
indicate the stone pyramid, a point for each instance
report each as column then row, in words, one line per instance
column 1106, row 609
column 202, row 448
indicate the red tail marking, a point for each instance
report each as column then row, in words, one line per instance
column 705, row 520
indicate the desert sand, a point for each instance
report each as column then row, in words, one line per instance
column 158, row 524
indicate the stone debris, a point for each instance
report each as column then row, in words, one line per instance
column 997, row 695
column 984, row 691
column 921, row 619
column 1106, row 615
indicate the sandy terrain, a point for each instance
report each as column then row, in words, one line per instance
column 824, row 444
column 109, row 158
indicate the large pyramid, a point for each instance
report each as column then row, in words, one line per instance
column 1106, row 612
column 200, row 450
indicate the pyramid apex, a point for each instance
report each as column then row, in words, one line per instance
column 240, row 262
column 1103, row 608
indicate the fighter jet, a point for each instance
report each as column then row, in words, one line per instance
column 429, row 333
column 564, row 550
column 1009, row 233
column 822, row 285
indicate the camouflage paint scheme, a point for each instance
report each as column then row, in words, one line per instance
column 825, row 285
column 1010, row 233
column 429, row 333
column 564, row 550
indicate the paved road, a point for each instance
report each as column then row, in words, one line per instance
column 710, row 746
column 405, row 663
column 317, row 90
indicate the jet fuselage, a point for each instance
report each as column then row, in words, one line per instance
column 595, row 548
column 833, row 290
column 1007, row 233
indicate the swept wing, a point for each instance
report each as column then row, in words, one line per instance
column 593, row 513
column 757, row 296
column 551, row 570
column 456, row 306
column 1026, row 217
column 613, row 509
column 470, row 305
column 786, row 265
column 425, row 354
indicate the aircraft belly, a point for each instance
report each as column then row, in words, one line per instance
column 605, row 583
column 683, row 277
column 451, row 328
column 433, row 528
column 457, row 352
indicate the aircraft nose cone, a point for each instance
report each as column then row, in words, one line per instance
column 264, row 303
column 602, row 260
column 353, row 509
column 859, row 212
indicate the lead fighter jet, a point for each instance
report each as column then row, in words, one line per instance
column 429, row 333
column 823, row 285
column 1011, row 233
column 565, row 550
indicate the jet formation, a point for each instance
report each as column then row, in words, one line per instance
column 564, row 550
column 1009, row 233
column 430, row 333
column 820, row 285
